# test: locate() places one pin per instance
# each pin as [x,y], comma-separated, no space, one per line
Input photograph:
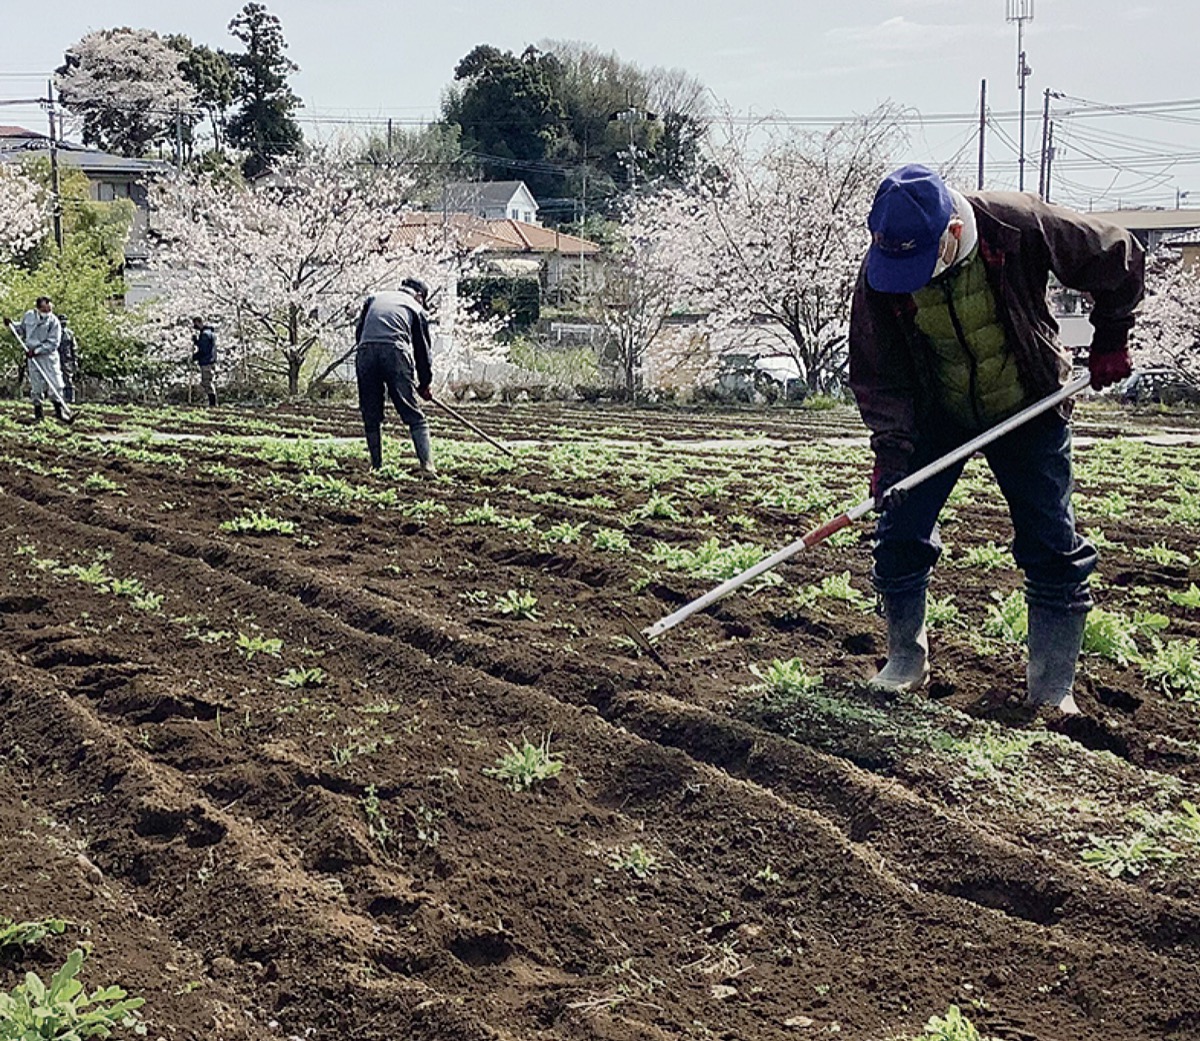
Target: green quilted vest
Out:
[974,371]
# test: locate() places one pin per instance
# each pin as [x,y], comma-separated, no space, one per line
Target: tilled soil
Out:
[338,860]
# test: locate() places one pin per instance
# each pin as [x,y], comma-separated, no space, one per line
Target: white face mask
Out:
[947,253]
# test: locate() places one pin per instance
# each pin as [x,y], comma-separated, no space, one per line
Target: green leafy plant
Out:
[564,532]
[25,934]
[941,611]
[1175,667]
[517,604]
[97,482]
[988,556]
[710,559]
[424,508]
[63,1010]
[258,522]
[637,860]
[953,1026]
[1189,599]
[1110,635]
[485,514]
[528,765]
[377,823]
[252,645]
[660,506]
[1131,857]
[304,679]
[1008,619]
[610,540]
[1161,553]
[786,679]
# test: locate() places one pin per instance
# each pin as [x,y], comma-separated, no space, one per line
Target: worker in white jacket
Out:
[41,332]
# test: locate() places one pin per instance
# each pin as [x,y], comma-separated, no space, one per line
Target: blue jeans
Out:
[1032,465]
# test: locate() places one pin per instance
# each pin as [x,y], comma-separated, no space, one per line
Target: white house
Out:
[491,200]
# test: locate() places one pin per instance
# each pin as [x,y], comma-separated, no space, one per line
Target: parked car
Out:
[1163,385]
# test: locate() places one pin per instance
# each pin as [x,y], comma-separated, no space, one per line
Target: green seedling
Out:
[517,604]
[26,934]
[953,1026]
[485,514]
[62,1010]
[303,679]
[1189,599]
[709,560]
[564,532]
[1009,619]
[637,860]
[768,876]
[742,522]
[97,482]
[610,540]
[1110,635]
[1161,553]
[941,612]
[786,679]
[377,823]
[424,509]
[252,645]
[659,506]
[524,767]
[1131,857]
[1175,667]
[988,556]
[258,522]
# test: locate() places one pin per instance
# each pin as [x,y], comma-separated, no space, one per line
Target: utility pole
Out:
[982,131]
[1021,11]
[178,138]
[1049,161]
[55,190]
[389,148]
[1044,168]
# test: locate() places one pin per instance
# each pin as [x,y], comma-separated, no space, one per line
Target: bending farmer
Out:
[392,338]
[950,333]
[40,331]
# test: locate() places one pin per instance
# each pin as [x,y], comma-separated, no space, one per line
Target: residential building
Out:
[491,200]
[561,263]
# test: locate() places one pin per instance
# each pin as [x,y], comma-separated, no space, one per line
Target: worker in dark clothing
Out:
[392,337]
[68,359]
[205,355]
[950,334]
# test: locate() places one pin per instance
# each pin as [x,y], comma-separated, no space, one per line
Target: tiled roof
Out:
[496,236]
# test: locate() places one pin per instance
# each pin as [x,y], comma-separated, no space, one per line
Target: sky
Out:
[362,60]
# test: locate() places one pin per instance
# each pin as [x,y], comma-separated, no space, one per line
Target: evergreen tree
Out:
[263,126]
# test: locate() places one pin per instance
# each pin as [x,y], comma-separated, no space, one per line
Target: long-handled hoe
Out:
[467,423]
[643,636]
[44,372]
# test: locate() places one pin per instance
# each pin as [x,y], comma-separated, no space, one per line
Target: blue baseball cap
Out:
[911,211]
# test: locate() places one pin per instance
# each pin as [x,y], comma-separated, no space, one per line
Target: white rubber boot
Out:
[1055,639]
[907,666]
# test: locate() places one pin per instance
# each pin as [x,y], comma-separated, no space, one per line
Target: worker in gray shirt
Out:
[392,354]
[40,331]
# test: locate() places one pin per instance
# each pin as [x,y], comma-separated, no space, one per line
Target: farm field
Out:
[301,752]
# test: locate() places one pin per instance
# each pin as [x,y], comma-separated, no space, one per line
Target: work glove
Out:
[425,391]
[1109,367]
[882,480]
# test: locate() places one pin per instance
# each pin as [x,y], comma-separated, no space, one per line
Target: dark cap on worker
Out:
[911,211]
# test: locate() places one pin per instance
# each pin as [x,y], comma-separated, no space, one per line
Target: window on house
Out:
[515,214]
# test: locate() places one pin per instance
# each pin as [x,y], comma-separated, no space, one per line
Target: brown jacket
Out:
[1022,240]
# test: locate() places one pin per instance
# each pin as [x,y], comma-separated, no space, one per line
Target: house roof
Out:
[495,236]
[1150,220]
[17,142]
[484,193]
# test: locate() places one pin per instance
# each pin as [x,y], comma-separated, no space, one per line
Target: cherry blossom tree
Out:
[23,213]
[1168,328]
[286,261]
[643,279]
[776,238]
[127,87]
